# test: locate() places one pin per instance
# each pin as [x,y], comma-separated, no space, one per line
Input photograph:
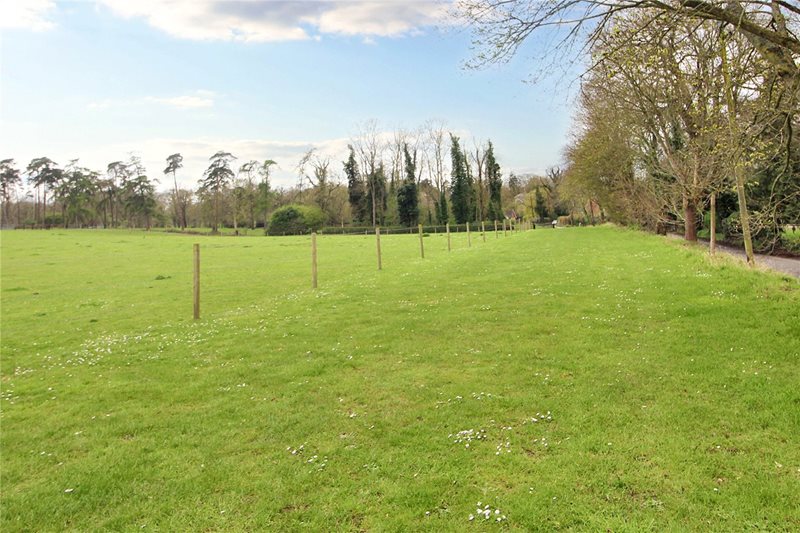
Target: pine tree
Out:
[355,189]
[461,186]
[215,179]
[407,196]
[495,184]
[442,211]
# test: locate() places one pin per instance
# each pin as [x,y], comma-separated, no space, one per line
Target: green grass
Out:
[672,382]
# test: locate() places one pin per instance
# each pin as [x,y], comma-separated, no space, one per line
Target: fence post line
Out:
[378,243]
[469,239]
[314,260]
[496,235]
[447,228]
[196,283]
[483,231]
[421,245]
[505,234]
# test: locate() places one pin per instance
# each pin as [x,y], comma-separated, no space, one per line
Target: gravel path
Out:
[786,265]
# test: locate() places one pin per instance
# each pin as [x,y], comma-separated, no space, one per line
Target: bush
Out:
[53,220]
[295,220]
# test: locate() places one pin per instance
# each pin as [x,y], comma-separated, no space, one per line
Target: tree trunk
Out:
[744,217]
[216,213]
[690,219]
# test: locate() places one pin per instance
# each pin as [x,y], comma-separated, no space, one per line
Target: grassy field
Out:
[585,379]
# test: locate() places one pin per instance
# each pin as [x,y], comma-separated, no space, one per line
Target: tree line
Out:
[401,178]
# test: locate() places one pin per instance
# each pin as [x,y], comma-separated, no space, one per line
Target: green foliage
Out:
[76,192]
[296,219]
[542,213]
[407,193]
[215,179]
[495,185]
[356,192]
[461,188]
[442,209]
[9,178]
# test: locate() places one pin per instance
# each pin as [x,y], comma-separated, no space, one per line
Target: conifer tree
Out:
[407,196]
[495,184]
[461,186]
[355,188]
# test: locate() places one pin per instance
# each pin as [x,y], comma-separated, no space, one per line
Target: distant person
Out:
[555,223]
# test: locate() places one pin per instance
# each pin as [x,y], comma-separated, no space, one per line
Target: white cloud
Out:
[272,21]
[185,101]
[200,99]
[380,19]
[26,14]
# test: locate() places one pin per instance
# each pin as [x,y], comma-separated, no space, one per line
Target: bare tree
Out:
[315,170]
[369,147]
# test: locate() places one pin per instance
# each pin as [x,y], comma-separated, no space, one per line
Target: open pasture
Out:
[586,378]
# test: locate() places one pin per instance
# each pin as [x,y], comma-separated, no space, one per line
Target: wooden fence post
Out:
[421,245]
[378,243]
[496,235]
[196,288]
[469,239]
[314,260]
[505,233]
[483,231]
[447,228]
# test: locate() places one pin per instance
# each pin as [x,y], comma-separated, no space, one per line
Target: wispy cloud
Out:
[27,14]
[200,99]
[272,21]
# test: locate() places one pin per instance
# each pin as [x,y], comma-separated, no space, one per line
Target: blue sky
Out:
[97,80]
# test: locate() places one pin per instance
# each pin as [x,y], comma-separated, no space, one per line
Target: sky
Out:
[99,80]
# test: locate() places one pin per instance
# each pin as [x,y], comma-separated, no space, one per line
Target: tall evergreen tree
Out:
[407,195]
[355,188]
[216,178]
[76,193]
[495,184]
[461,186]
[442,211]
[43,173]
[9,181]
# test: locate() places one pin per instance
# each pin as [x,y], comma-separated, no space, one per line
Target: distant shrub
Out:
[53,220]
[295,220]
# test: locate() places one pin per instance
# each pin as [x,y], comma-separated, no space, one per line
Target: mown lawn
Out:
[611,380]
